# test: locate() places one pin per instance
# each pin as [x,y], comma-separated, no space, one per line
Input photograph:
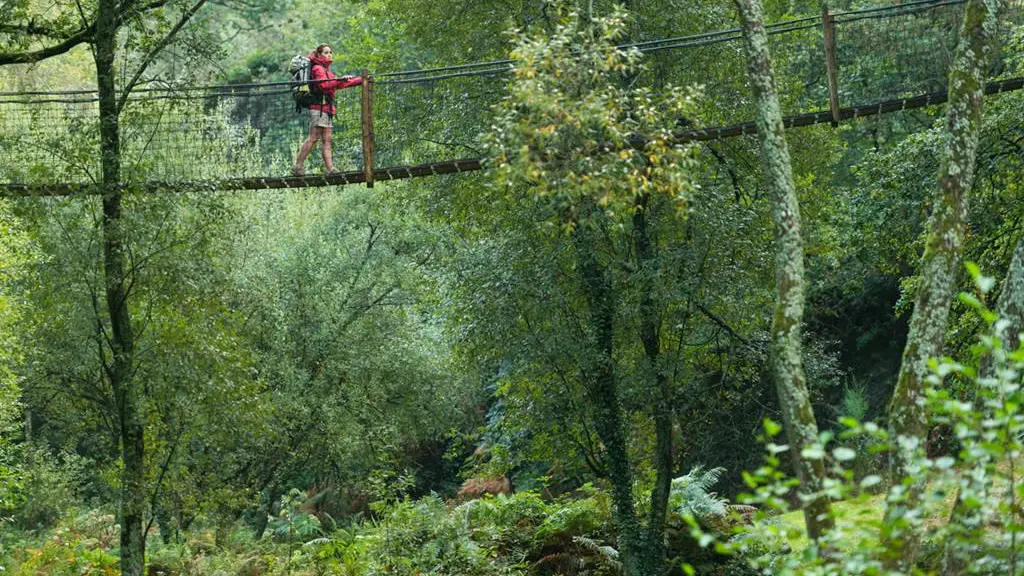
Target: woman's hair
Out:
[320,48]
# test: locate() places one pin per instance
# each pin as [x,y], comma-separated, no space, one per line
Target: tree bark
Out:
[102,33]
[1010,305]
[786,352]
[132,439]
[939,263]
[664,402]
[598,372]
[270,494]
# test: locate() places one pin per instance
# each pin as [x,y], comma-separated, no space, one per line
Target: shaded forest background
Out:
[311,364]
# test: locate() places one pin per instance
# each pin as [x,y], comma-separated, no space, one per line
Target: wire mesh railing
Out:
[242,133]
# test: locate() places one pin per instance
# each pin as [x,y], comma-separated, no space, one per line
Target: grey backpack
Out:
[301,69]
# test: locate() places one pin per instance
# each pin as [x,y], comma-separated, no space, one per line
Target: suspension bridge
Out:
[830,68]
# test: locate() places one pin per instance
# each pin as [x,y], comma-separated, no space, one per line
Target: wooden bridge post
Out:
[369,139]
[828,25]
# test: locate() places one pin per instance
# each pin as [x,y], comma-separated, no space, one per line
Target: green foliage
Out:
[968,510]
[17,253]
[494,535]
[295,521]
[691,494]
[854,403]
[419,536]
[567,127]
[299,340]
[341,315]
[62,558]
[571,518]
[50,487]
[81,544]
[505,535]
[581,149]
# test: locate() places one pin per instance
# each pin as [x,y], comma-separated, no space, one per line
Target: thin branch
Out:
[84,35]
[86,25]
[730,170]
[127,89]
[721,323]
[32,29]
[159,481]
[127,10]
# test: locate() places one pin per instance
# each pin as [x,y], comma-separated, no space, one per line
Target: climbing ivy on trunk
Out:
[591,152]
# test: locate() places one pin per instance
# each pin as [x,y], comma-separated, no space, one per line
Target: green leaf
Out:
[971,300]
[813,452]
[870,480]
[844,454]
[973,269]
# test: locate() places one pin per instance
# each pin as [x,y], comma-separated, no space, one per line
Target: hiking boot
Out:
[298,171]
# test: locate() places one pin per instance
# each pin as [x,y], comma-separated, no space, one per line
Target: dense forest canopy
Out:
[612,350]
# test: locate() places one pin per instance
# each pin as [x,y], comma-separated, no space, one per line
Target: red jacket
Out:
[327,83]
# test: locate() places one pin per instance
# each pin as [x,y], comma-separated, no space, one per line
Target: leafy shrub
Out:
[82,546]
[691,494]
[491,536]
[967,513]
[505,523]
[854,402]
[49,487]
[296,519]
[569,518]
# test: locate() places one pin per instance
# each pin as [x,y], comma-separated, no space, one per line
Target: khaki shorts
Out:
[318,119]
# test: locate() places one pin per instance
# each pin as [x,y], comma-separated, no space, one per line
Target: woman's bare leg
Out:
[315,133]
[325,147]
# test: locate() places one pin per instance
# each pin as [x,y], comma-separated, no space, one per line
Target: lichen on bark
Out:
[787,362]
[940,261]
[1010,306]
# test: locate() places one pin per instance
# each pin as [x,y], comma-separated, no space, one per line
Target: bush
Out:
[49,489]
[84,546]
[967,515]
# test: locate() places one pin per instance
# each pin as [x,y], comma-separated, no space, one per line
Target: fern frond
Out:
[562,563]
[710,478]
[690,494]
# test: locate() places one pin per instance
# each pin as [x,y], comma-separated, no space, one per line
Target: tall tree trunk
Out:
[133,497]
[265,509]
[598,371]
[1010,307]
[664,401]
[940,262]
[786,353]
[1011,300]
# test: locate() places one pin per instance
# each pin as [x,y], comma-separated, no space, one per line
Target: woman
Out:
[323,83]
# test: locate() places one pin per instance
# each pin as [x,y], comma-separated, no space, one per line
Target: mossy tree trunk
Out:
[598,374]
[663,397]
[101,33]
[786,352]
[1010,305]
[122,342]
[939,266]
